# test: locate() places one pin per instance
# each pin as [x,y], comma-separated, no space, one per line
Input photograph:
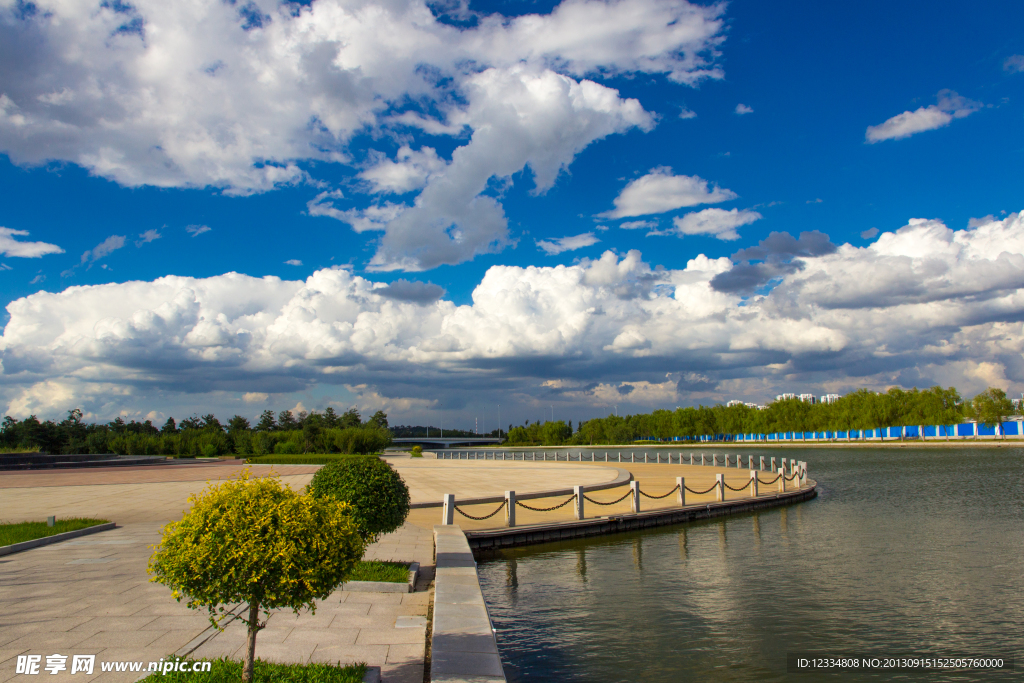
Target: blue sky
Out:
[792,111]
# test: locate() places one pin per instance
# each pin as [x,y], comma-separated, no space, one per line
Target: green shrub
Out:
[360,440]
[417,452]
[377,494]
[288,448]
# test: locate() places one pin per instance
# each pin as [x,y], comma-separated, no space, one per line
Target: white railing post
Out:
[762,464]
[782,480]
[792,466]
[634,488]
[578,490]
[753,483]
[720,487]
[681,496]
[510,508]
[773,464]
[448,516]
[803,474]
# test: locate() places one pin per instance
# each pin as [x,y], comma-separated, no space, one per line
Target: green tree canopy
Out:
[255,541]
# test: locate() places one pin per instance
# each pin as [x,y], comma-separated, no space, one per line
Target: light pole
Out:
[552,413]
[499,423]
[441,403]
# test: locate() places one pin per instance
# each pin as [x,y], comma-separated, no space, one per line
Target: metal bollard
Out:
[578,490]
[448,515]
[634,487]
[720,484]
[510,508]
[681,496]
[753,483]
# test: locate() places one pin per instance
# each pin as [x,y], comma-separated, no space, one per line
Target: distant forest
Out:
[329,432]
[861,409]
[314,432]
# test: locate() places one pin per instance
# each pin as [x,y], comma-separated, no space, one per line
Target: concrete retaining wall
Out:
[462,646]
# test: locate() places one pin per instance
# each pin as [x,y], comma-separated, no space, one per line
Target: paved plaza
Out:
[92,595]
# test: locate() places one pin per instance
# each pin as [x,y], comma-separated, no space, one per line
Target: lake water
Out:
[903,551]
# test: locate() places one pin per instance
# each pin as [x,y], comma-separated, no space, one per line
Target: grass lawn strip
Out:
[309,459]
[392,572]
[20,532]
[225,670]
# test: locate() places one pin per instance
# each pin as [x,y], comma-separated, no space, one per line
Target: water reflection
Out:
[863,568]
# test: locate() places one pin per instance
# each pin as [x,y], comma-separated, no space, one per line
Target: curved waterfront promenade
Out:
[91,595]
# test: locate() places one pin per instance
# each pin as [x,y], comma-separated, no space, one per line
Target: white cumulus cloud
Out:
[590,328]
[211,94]
[9,246]
[950,106]
[659,191]
[557,246]
[715,222]
[742,109]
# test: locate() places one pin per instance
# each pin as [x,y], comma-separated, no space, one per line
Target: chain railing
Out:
[798,473]
[613,502]
[480,519]
[647,495]
[555,507]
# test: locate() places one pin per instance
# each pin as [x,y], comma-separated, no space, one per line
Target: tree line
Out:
[861,409]
[283,432]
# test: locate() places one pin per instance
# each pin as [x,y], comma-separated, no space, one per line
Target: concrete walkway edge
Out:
[56,538]
[462,646]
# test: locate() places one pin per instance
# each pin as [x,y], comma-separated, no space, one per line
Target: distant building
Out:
[755,406]
[829,398]
[808,398]
[785,397]
[732,403]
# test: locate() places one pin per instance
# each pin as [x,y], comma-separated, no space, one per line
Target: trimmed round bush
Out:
[417,451]
[377,494]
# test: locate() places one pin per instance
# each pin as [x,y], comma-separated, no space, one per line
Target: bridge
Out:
[446,442]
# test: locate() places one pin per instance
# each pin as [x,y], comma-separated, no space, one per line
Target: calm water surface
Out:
[904,551]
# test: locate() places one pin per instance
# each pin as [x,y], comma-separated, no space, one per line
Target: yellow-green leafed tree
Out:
[254,541]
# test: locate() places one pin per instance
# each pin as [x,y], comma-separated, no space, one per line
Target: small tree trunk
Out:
[250,645]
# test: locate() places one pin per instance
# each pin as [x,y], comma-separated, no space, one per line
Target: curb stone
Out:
[56,538]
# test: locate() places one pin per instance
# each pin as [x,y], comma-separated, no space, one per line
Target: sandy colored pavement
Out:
[430,479]
[654,479]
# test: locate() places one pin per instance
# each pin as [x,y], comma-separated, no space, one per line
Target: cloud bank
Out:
[919,305]
[245,98]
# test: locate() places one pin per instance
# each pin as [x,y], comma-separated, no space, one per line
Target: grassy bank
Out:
[20,532]
[227,671]
[392,572]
